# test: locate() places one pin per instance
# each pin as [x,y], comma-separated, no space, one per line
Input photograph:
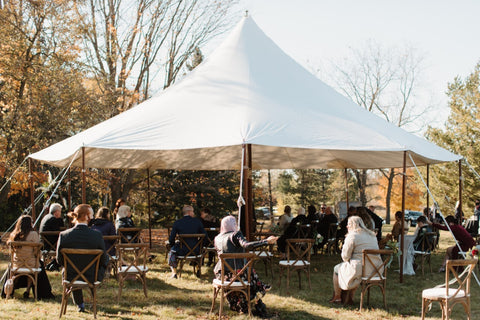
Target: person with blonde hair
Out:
[347,275]
[292,229]
[231,240]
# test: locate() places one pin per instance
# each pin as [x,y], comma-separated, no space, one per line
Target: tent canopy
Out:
[247,92]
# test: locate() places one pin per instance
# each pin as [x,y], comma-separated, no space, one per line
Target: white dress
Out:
[350,271]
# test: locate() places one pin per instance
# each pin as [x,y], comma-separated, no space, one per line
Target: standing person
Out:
[52,222]
[464,239]
[186,225]
[285,219]
[24,232]
[347,275]
[82,237]
[232,241]
[209,221]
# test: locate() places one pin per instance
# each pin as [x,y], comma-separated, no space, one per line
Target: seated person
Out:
[324,224]
[24,232]
[124,220]
[397,226]
[285,219]
[312,216]
[347,275]
[422,229]
[292,229]
[82,237]
[377,223]
[232,241]
[102,224]
[209,221]
[52,222]
[464,239]
[186,225]
[342,226]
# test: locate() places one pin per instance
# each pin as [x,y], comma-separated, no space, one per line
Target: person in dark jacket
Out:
[230,240]
[292,229]
[102,224]
[124,220]
[52,222]
[324,225]
[209,222]
[186,225]
[82,237]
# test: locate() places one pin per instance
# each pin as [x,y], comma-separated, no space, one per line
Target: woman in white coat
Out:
[347,275]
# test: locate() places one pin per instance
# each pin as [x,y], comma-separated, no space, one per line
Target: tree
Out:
[460,135]
[384,83]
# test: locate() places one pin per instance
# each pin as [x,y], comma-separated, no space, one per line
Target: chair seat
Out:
[235,284]
[294,263]
[421,252]
[132,269]
[80,283]
[263,254]
[373,278]
[199,256]
[441,293]
[26,270]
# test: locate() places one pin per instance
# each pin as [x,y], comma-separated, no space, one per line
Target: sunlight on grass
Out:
[190,297]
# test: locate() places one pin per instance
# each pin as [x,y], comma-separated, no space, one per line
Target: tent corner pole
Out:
[402,234]
[428,186]
[346,189]
[149,209]
[84,179]
[460,178]
[249,193]
[32,190]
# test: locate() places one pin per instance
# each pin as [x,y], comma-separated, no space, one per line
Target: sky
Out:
[317,32]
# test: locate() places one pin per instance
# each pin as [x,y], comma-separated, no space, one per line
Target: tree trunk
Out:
[388,196]
[361,176]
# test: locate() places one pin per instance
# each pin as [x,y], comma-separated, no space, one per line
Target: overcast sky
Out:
[317,32]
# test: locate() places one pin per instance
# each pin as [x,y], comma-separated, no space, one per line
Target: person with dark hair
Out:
[324,225]
[377,222]
[312,214]
[397,226]
[464,239]
[24,232]
[292,229]
[342,227]
[82,237]
[102,224]
[209,222]
[230,240]
[420,231]
[120,202]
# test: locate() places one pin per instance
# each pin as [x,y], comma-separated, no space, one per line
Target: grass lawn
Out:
[190,298]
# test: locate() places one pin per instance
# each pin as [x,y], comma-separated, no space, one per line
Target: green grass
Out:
[190,298]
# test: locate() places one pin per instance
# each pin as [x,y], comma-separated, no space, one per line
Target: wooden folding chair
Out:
[298,259]
[110,248]
[265,253]
[130,235]
[424,252]
[19,262]
[209,246]
[49,251]
[233,279]
[77,273]
[449,295]
[304,231]
[331,243]
[194,252]
[374,273]
[134,258]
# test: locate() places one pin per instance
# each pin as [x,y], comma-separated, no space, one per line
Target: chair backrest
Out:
[262,236]
[462,280]
[110,244]
[81,264]
[212,232]
[192,242]
[427,243]
[299,250]
[332,231]
[133,256]
[304,231]
[49,239]
[130,235]
[30,253]
[237,275]
[374,264]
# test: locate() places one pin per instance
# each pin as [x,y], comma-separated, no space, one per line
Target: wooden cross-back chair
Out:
[134,259]
[455,290]
[298,259]
[130,235]
[77,273]
[233,279]
[424,252]
[331,241]
[110,248]
[304,231]
[374,274]
[19,263]
[194,252]
[265,253]
[209,244]
[49,240]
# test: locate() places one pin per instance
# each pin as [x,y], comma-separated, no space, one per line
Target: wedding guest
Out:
[285,219]
[232,241]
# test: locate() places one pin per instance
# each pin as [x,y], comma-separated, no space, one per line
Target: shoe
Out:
[26,294]
[81,308]
[174,276]
[268,287]
[198,273]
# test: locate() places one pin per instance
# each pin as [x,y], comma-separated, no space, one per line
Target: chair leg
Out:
[215,292]
[288,278]
[94,294]
[35,291]
[299,279]
[222,297]
[384,296]
[144,283]
[361,297]
[423,308]
[120,285]
[309,281]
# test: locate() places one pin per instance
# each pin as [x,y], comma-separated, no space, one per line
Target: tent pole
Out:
[32,195]
[460,178]
[69,197]
[84,179]
[402,234]
[149,209]
[346,188]
[428,187]
[249,190]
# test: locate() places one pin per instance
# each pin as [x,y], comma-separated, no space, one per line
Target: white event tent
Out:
[248,92]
